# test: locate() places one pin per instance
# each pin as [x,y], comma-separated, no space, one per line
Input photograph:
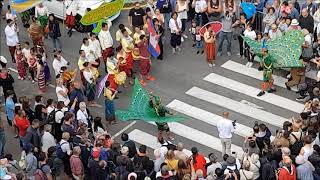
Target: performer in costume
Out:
[109,94]
[266,65]
[161,111]
[71,11]
[112,67]
[41,13]
[128,46]
[145,62]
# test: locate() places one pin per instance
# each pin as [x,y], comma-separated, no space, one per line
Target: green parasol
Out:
[140,108]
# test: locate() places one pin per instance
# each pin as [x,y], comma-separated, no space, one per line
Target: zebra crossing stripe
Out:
[207,117]
[200,137]
[254,73]
[236,106]
[252,92]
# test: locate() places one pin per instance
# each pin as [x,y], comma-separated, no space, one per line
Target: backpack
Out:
[22,162]
[121,173]
[51,119]
[272,171]
[39,175]
[60,154]
[296,147]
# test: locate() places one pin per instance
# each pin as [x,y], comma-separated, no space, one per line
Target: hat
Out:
[132,174]
[300,159]
[231,161]
[194,150]
[95,153]
[305,32]
[3,60]
[294,22]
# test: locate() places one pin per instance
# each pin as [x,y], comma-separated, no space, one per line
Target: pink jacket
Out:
[76,165]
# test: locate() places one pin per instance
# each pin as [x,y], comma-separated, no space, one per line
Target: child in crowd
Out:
[199,41]
[193,32]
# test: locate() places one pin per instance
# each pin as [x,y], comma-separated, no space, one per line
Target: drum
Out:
[136,54]
[120,78]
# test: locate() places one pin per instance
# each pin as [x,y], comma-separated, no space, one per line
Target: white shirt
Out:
[82,116]
[200,6]
[58,116]
[96,46]
[172,25]
[250,34]
[26,53]
[41,11]
[88,76]
[58,64]
[225,128]
[274,35]
[47,141]
[60,97]
[105,39]
[182,8]
[89,52]
[308,39]
[71,7]
[65,146]
[50,109]
[211,169]
[11,36]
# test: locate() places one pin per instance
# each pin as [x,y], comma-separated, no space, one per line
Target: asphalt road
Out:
[174,76]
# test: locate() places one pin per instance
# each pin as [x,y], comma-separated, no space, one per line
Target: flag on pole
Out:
[153,47]
[101,84]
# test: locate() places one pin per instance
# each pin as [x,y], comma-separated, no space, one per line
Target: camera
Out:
[234,123]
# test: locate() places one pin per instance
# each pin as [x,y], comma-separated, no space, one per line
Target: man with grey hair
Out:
[47,138]
[179,154]
[158,160]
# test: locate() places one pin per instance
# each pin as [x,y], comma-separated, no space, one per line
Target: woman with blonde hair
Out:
[245,173]
[171,161]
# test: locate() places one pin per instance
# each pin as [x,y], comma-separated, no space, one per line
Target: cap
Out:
[3,60]
[95,153]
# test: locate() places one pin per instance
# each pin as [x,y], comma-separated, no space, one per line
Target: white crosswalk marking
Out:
[200,137]
[252,92]
[195,136]
[237,106]
[207,117]
[254,73]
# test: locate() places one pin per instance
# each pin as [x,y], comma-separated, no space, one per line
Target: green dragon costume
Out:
[283,52]
[146,108]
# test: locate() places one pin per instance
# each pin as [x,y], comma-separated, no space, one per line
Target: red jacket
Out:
[284,174]
[22,124]
[200,164]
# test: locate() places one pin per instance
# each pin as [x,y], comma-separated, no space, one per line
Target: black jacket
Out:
[33,137]
[54,29]
[7,84]
[132,148]
[306,23]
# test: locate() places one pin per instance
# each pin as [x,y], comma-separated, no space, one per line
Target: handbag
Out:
[46,29]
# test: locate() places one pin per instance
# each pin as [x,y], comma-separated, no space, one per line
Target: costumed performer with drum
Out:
[128,47]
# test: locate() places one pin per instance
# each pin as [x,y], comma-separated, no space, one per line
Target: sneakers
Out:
[250,64]
[300,99]
[247,64]
[219,54]
[185,36]
[182,39]
[178,48]
[271,90]
[261,93]
[202,51]
[210,65]
[229,54]
[173,50]
[198,52]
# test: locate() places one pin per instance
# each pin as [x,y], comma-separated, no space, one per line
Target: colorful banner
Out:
[106,10]
[22,5]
